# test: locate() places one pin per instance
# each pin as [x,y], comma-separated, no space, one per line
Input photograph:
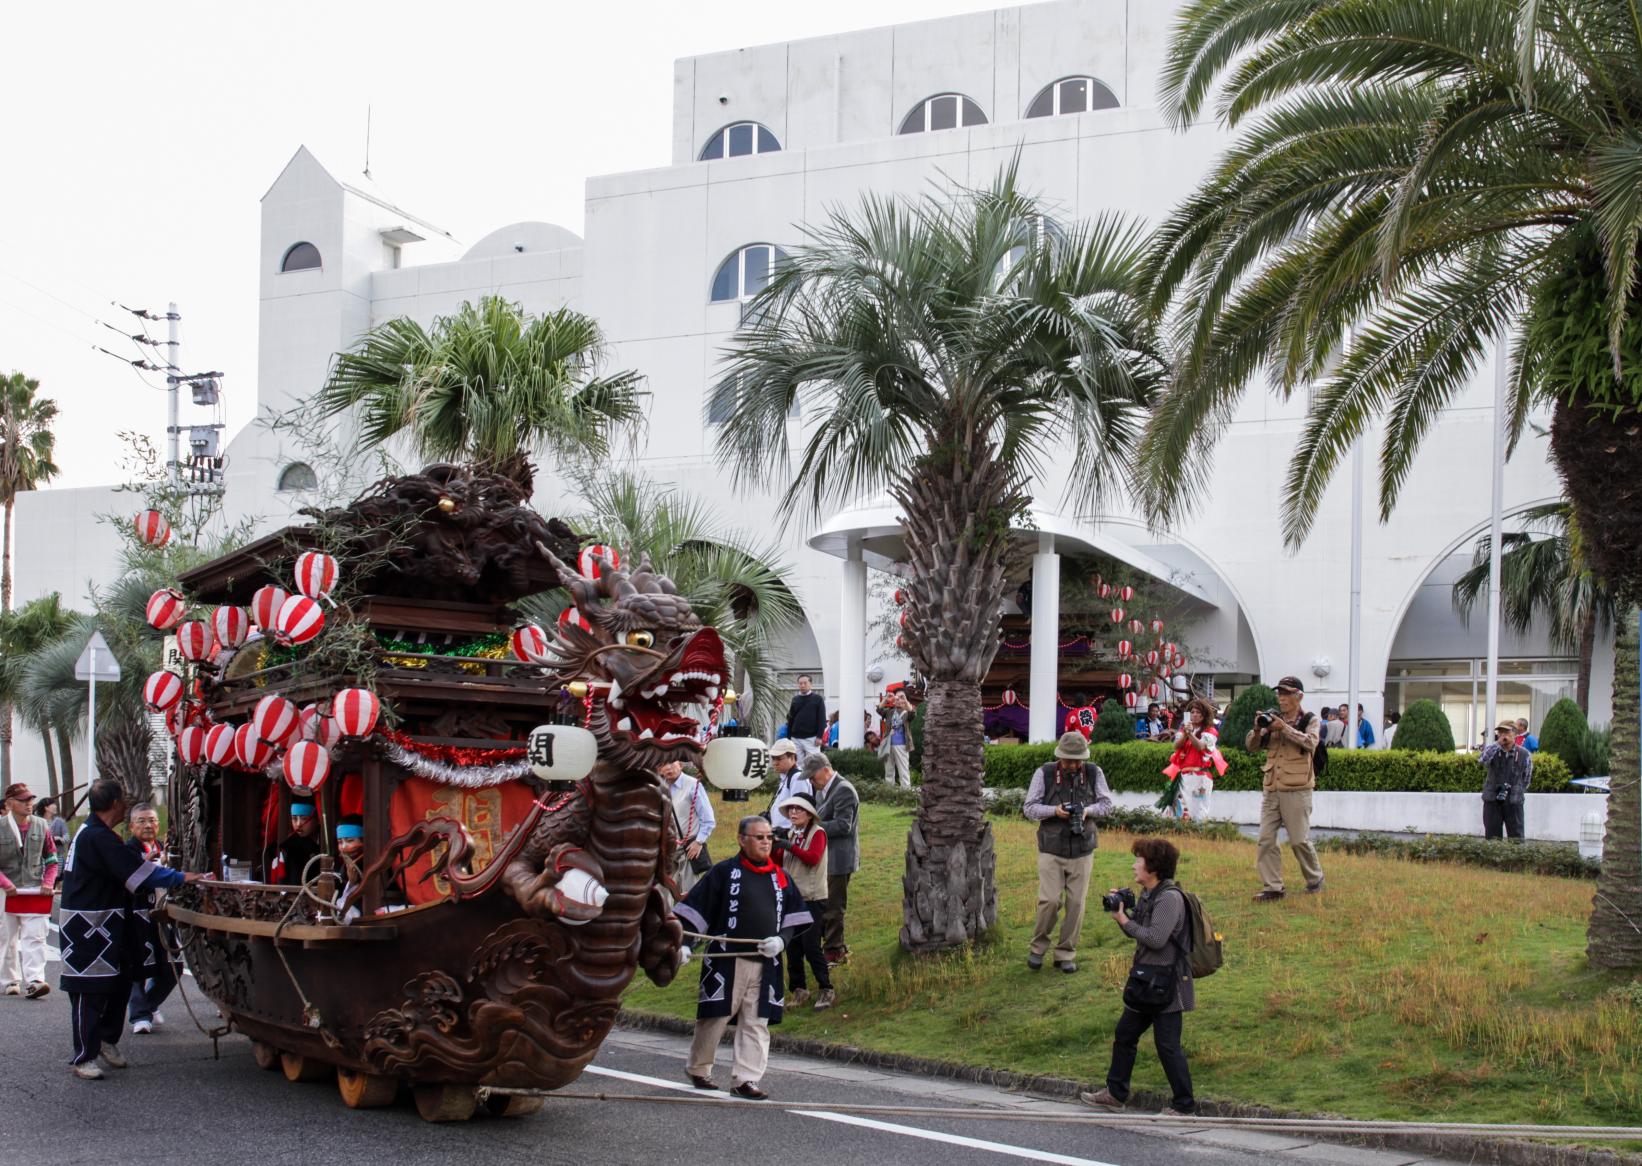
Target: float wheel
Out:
[265,1055]
[300,1068]
[366,1090]
[445,1102]
[512,1105]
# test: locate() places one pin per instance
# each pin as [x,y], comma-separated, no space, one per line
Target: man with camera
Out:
[1160,991]
[1288,735]
[1063,796]
[1510,771]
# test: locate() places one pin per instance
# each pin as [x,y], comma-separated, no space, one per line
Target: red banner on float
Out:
[488,814]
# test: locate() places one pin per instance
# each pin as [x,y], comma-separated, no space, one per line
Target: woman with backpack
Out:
[1160,991]
[804,859]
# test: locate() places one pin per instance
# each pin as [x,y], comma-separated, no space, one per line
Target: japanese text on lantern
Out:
[541,749]
[756,763]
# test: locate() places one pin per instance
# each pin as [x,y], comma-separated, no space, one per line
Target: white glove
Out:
[684,954]
[772,947]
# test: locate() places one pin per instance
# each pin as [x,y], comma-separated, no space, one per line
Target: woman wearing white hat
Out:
[804,860]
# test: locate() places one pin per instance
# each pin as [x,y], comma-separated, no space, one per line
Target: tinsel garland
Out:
[452,764]
[492,646]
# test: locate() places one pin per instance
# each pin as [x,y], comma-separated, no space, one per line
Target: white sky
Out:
[138,139]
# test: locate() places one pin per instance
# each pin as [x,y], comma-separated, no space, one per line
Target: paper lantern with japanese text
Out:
[562,752]
[736,764]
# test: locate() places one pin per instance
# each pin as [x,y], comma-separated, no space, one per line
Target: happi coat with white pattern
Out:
[104,946]
[737,899]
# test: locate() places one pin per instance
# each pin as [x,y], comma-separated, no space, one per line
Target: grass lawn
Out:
[1404,991]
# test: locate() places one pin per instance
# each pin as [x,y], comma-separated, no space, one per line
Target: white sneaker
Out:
[14,989]
[112,1058]
[88,1071]
[142,1027]
[159,1019]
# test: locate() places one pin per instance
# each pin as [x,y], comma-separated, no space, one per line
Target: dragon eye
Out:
[641,639]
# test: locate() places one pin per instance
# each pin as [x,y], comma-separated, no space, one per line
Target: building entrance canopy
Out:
[871,535]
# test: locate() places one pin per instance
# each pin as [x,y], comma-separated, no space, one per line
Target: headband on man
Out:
[302,809]
[349,830]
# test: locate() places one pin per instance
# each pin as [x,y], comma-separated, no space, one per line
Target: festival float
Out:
[516,839]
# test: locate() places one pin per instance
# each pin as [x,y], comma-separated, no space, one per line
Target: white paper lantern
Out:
[736,764]
[577,887]
[562,752]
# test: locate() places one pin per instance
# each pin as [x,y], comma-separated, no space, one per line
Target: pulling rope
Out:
[721,938]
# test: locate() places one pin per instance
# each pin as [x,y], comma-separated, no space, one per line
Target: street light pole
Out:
[1502,371]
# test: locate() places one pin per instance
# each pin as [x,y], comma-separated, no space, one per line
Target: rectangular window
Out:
[741,140]
[757,270]
[715,148]
[1074,96]
[943,113]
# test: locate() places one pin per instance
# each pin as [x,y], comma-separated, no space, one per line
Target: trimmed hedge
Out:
[1239,719]
[1562,733]
[1137,767]
[1424,728]
[1542,858]
[1116,724]
[857,764]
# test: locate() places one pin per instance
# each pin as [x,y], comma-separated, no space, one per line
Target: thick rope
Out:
[721,938]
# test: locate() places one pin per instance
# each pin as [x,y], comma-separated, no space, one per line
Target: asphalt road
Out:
[179,1106]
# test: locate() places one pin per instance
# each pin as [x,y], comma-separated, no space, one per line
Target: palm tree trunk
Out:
[5,563]
[5,605]
[122,753]
[51,765]
[1587,652]
[1597,455]
[65,752]
[1613,938]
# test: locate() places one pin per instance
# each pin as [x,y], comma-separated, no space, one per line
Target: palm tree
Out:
[489,384]
[946,350]
[23,633]
[1411,182]
[1543,583]
[733,582]
[25,464]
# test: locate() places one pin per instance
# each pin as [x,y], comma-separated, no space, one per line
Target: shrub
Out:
[1240,715]
[1563,733]
[857,764]
[1543,858]
[1424,728]
[881,793]
[1116,724]
[1594,752]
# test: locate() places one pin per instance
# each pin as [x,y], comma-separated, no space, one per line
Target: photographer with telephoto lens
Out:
[1510,771]
[1159,991]
[1061,799]
[1288,737]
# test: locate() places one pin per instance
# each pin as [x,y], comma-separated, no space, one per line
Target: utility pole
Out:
[1502,375]
[172,378]
[1353,656]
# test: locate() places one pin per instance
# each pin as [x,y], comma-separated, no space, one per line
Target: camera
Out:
[1502,794]
[1122,897]
[1264,718]
[1074,812]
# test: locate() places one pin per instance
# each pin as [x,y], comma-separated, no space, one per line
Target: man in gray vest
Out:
[28,870]
[1063,798]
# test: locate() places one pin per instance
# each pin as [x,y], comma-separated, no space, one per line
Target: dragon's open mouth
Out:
[657,708]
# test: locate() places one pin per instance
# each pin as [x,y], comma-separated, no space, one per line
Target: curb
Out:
[1477,1149]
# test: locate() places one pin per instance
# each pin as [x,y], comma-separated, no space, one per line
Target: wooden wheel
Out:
[300,1068]
[265,1055]
[512,1105]
[366,1090]
[445,1102]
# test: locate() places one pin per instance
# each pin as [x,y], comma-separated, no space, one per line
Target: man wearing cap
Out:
[789,780]
[1062,799]
[28,871]
[1510,772]
[1290,743]
[299,846]
[839,807]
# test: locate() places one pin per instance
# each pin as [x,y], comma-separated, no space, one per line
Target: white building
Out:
[768,138]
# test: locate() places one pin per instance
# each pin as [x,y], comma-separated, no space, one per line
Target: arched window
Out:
[744,274]
[1072,95]
[944,111]
[297,476]
[300,257]
[743,137]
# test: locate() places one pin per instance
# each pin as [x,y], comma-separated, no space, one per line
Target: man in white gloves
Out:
[750,902]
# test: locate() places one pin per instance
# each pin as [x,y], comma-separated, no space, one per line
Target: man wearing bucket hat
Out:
[28,871]
[1510,773]
[1064,795]
[1288,737]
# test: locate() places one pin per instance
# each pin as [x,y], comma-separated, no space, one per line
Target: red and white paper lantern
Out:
[355,711]
[250,750]
[1117,614]
[1130,699]
[1125,649]
[265,605]
[571,617]
[1154,690]
[1124,680]
[591,562]
[194,640]
[1151,658]
[900,596]
[219,744]
[1136,626]
[316,574]
[1105,591]
[1128,593]
[319,726]
[162,690]
[191,745]
[152,528]
[1178,659]
[231,625]
[306,766]
[530,644]
[166,607]
[275,720]
[184,713]
[300,619]
[1157,625]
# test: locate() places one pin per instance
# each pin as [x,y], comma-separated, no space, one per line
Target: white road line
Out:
[886,1127]
[950,1139]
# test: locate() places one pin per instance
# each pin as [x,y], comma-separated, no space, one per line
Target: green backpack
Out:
[1205,951]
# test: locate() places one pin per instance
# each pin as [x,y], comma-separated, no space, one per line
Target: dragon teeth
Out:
[646,735]
[615,692]
[625,724]
[712,692]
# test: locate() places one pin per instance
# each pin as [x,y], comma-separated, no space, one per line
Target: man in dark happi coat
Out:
[749,900]
[103,947]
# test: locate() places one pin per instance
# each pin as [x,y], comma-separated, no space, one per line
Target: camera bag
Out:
[1150,987]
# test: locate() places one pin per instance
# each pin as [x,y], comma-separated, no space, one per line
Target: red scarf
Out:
[768,868]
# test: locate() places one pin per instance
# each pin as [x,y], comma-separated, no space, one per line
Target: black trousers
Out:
[838,901]
[1501,818]
[97,1020]
[1166,1027]
[806,945]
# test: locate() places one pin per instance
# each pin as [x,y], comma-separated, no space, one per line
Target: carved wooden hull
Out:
[470,993]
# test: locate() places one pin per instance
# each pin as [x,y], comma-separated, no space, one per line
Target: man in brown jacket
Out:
[1290,741]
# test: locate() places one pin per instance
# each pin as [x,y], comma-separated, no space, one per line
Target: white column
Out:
[852,651]
[1502,376]
[1354,655]
[1045,673]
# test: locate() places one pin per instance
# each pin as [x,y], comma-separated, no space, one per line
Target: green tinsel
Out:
[474,647]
